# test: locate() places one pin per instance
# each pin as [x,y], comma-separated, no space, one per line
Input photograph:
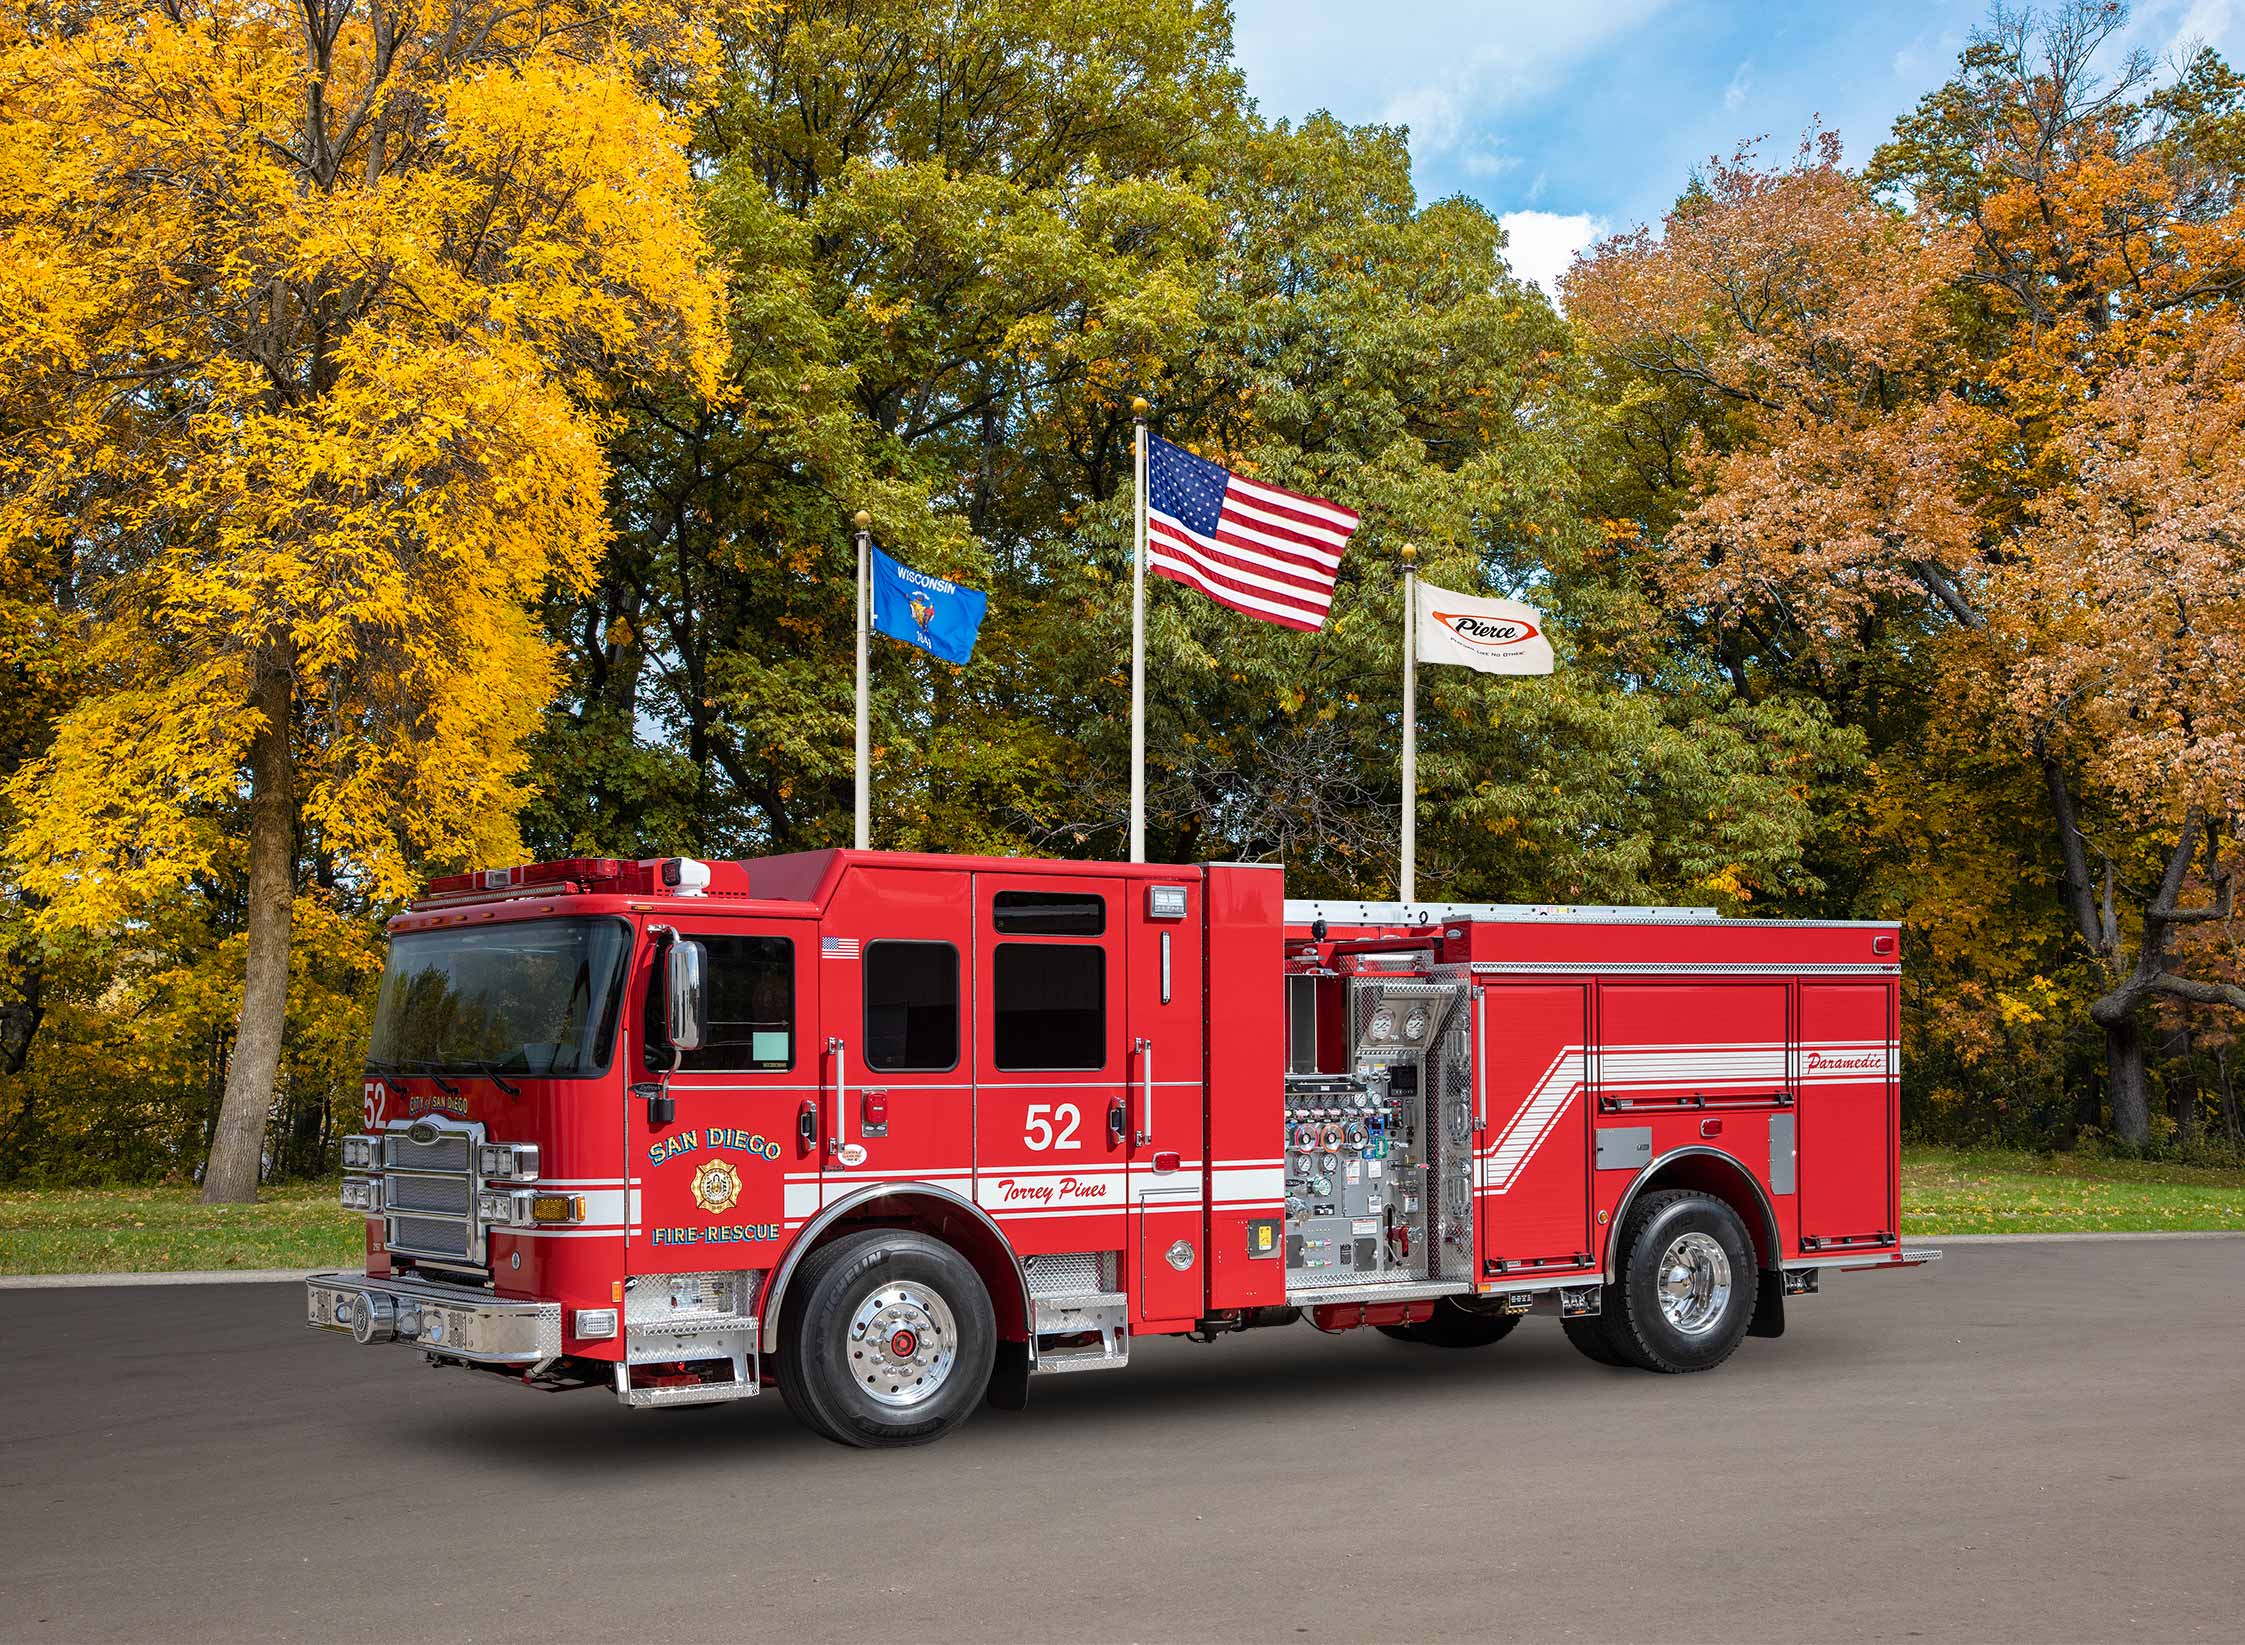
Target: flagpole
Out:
[864,738]
[1138,410]
[1410,875]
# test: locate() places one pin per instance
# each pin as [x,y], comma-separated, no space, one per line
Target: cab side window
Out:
[1049,1006]
[911,1007]
[751,1008]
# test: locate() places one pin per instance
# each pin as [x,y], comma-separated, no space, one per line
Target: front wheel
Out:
[1687,1285]
[892,1341]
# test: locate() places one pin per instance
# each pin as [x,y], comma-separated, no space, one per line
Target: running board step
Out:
[728,1340]
[1064,1323]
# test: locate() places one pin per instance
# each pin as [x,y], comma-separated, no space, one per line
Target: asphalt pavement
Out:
[2023,1442]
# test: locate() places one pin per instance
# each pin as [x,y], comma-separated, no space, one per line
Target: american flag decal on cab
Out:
[838,948]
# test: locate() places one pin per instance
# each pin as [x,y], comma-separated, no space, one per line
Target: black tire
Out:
[1637,1328]
[1591,1340]
[1456,1324]
[851,1387]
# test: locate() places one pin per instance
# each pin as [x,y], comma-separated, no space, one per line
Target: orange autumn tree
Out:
[1923,439]
[310,315]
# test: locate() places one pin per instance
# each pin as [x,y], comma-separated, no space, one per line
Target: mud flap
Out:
[1769,1305]
[1009,1377]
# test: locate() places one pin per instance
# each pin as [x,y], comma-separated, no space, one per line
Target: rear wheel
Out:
[1457,1324]
[1591,1340]
[891,1341]
[1687,1285]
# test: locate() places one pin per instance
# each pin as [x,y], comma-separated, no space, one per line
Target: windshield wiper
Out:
[428,1071]
[490,1071]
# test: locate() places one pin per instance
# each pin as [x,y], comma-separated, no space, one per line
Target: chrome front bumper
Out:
[455,1321]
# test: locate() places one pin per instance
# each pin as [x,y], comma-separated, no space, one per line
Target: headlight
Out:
[503,1207]
[362,1153]
[508,1161]
[361,1194]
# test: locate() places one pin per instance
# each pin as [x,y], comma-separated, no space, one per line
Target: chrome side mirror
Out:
[686,995]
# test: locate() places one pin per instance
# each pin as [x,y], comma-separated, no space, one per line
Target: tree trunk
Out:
[238,1143]
[2230,1117]
[2124,1080]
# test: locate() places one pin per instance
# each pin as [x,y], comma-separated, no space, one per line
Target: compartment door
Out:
[1845,1075]
[1169,1187]
[1533,1202]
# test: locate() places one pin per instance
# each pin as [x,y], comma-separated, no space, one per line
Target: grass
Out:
[120,1230]
[1944,1191]
[1991,1191]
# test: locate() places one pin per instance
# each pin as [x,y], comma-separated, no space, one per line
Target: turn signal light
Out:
[557,1208]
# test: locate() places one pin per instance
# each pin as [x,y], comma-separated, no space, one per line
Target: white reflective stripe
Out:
[1520,1139]
[1257,1182]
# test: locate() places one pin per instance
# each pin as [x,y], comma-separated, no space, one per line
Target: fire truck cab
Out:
[896,1134]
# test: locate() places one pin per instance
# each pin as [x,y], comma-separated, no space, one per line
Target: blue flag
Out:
[938,616]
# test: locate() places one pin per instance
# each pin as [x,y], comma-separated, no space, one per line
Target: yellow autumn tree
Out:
[308,313]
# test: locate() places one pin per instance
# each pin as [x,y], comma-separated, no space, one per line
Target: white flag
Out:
[1494,636]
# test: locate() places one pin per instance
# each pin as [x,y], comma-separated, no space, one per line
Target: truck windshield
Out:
[536,997]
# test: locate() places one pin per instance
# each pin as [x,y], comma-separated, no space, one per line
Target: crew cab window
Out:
[1049,1005]
[1048,914]
[751,1008]
[911,1007]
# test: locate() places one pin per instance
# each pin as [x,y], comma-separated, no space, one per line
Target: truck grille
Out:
[453,1196]
[432,1237]
[449,1152]
[429,1191]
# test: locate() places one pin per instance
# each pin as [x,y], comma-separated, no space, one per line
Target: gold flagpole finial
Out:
[1410,552]
[1139,407]
[864,521]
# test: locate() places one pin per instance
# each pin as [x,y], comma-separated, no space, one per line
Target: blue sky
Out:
[1574,118]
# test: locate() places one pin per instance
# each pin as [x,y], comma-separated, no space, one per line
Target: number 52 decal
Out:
[1052,1126]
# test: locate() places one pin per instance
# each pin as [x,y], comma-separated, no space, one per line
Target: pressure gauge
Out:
[1321,1185]
[1329,1138]
[1382,1025]
[1329,1163]
[1356,1133]
[1415,1026]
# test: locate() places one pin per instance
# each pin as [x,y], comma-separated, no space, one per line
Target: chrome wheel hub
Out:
[1695,1283]
[903,1344]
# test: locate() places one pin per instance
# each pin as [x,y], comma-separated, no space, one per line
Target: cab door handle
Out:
[806,1124]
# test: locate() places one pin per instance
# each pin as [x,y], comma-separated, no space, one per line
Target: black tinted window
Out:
[1048,914]
[751,1007]
[1049,1005]
[911,1006]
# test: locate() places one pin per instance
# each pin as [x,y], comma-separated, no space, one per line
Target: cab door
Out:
[1052,1060]
[709,1186]
[896,986]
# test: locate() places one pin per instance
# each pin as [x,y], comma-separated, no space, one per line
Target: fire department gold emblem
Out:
[717,1186]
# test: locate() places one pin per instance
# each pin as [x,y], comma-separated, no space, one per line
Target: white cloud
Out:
[1734,94]
[1540,244]
[1445,68]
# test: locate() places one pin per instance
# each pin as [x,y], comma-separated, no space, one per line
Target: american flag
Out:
[838,948]
[1270,553]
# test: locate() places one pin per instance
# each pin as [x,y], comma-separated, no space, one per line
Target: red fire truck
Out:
[898,1133]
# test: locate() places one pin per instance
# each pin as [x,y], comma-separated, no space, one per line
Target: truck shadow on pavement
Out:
[1168,1381]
